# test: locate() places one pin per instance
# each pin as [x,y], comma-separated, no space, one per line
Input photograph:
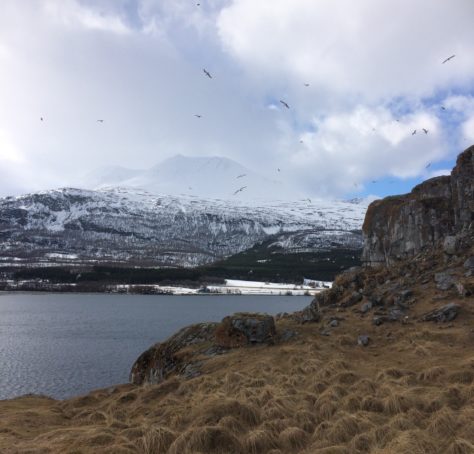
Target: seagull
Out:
[413,133]
[428,165]
[100,121]
[240,190]
[374,181]
[443,108]
[306,85]
[41,118]
[425,130]
[285,104]
[207,73]
[278,170]
[197,116]
[242,175]
[301,141]
[449,58]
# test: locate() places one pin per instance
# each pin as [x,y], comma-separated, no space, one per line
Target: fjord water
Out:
[64,345]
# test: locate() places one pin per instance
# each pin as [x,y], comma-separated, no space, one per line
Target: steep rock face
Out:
[401,226]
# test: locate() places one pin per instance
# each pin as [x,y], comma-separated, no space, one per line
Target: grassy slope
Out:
[410,391]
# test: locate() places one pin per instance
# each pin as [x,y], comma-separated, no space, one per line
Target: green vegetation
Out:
[258,263]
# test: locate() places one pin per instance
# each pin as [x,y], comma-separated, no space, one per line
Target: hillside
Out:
[380,363]
[132,227]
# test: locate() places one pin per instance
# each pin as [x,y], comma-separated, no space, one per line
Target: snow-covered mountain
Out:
[209,177]
[124,225]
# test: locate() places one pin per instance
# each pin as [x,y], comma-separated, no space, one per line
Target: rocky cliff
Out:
[439,210]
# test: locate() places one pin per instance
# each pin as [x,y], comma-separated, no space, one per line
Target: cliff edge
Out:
[439,211]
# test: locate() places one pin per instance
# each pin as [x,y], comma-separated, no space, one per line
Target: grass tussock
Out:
[207,439]
[156,439]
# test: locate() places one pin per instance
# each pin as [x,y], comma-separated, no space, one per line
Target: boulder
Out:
[469,263]
[363,340]
[450,245]
[163,359]
[442,314]
[444,281]
[241,329]
[351,300]
[311,313]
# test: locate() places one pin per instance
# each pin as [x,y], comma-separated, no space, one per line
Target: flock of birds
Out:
[287,106]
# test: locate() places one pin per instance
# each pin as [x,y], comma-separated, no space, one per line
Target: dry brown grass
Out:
[410,391]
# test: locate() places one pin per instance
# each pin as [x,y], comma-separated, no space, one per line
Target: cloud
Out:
[361,48]
[468,129]
[347,149]
[138,64]
[71,13]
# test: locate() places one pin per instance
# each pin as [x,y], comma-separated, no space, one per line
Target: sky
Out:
[358,76]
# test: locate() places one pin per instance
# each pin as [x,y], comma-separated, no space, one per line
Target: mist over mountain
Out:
[211,177]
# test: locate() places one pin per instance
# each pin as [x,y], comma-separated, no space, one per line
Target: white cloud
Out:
[366,48]
[138,65]
[72,14]
[8,152]
[468,129]
[350,148]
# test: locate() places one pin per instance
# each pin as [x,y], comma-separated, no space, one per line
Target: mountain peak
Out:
[214,177]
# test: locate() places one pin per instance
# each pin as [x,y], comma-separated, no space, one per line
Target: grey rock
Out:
[242,329]
[311,313]
[363,340]
[442,314]
[366,307]
[334,324]
[444,281]
[162,359]
[405,295]
[287,335]
[399,227]
[353,299]
[450,244]
[469,263]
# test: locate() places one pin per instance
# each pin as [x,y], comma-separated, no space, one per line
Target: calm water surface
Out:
[63,345]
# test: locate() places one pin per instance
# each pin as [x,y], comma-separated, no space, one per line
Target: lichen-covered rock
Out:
[444,280]
[162,359]
[442,314]
[400,227]
[242,329]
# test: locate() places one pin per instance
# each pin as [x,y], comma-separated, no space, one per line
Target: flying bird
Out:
[41,118]
[413,133]
[285,104]
[197,116]
[443,108]
[278,170]
[425,130]
[240,190]
[301,141]
[449,58]
[374,181]
[428,165]
[100,121]
[242,175]
[207,73]
[306,85]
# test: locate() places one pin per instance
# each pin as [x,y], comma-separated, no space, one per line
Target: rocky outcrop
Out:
[185,352]
[439,210]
